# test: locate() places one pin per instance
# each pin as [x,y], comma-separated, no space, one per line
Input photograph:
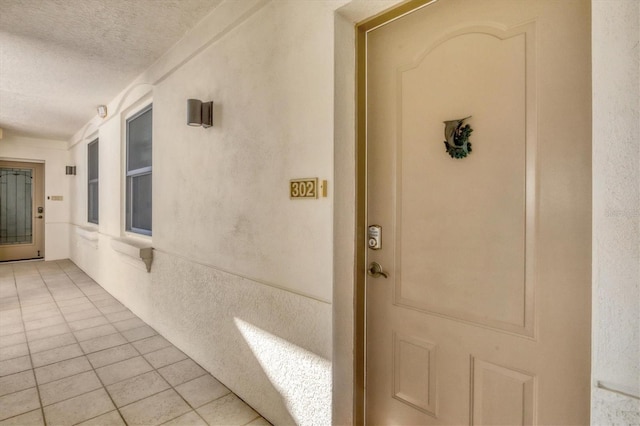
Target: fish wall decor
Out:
[457,138]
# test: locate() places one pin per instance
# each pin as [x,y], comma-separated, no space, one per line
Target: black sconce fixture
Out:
[70,170]
[199,113]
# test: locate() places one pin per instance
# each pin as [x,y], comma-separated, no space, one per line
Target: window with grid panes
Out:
[138,172]
[93,186]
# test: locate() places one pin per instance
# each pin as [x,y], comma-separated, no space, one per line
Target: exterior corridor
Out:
[70,353]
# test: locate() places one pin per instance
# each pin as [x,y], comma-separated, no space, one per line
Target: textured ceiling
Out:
[59,59]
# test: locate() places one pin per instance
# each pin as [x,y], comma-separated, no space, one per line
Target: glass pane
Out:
[139,213]
[139,141]
[93,160]
[93,202]
[93,174]
[15,206]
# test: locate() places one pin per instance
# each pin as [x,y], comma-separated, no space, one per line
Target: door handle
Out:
[39,217]
[375,270]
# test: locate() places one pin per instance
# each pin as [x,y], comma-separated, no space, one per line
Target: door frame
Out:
[359,349]
[42,165]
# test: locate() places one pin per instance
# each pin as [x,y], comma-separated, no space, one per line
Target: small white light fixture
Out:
[199,113]
[102,111]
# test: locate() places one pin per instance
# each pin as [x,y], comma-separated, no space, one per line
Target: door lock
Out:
[375,270]
[375,237]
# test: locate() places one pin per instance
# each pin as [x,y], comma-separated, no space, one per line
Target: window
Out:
[92,173]
[138,203]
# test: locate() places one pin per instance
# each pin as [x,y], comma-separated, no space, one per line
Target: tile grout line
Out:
[112,363]
[153,369]
[180,395]
[139,354]
[42,317]
[101,350]
[171,387]
[156,371]
[11,346]
[94,369]
[85,354]
[45,365]
[194,409]
[33,370]
[94,352]
[74,337]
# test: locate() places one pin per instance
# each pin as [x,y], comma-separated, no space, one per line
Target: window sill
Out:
[88,233]
[135,249]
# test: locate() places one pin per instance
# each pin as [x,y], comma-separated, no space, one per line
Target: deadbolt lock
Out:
[375,237]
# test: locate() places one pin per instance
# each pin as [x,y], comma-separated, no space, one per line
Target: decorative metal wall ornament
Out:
[457,138]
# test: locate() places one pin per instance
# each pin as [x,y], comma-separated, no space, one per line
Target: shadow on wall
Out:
[302,378]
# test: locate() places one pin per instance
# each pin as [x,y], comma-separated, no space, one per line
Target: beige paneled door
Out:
[484,316]
[21,210]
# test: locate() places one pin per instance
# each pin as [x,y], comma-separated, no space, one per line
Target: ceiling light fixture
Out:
[199,113]
[102,111]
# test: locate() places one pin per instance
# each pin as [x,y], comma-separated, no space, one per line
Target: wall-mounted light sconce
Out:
[102,111]
[70,170]
[199,113]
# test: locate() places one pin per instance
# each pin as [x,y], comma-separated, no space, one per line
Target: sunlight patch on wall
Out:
[302,378]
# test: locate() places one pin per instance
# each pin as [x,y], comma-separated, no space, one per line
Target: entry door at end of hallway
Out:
[21,210]
[478,174]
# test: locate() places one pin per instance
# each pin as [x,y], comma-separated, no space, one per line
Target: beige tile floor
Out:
[70,353]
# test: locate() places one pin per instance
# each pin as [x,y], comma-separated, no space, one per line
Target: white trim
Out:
[134,249]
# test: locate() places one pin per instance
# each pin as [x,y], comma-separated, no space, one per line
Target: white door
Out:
[485,315]
[21,210]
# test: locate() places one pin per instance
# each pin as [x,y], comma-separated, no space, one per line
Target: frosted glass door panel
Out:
[16,223]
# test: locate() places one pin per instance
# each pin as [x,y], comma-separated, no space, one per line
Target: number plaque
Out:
[303,188]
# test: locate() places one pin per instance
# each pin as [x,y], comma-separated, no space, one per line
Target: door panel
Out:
[501,396]
[415,386]
[482,319]
[21,210]
[472,237]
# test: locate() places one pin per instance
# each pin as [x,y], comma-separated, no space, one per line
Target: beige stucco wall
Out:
[250,283]
[221,194]
[243,278]
[616,212]
[55,157]
[242,275]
